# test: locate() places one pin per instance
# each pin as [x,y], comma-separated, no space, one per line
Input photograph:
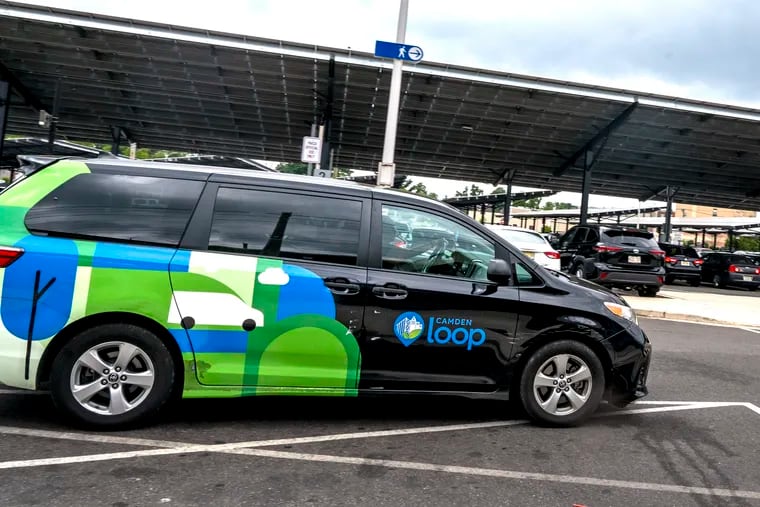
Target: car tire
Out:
[112,376]
[648,292]
[579,271]
[538,393]
[717,282]
[695,282]
[669,280]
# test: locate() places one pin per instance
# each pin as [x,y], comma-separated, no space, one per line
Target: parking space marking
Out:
[755,330]
[88,437]
[171,448]
[20,391]
[503,474]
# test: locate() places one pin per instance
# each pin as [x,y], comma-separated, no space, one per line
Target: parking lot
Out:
[693,441]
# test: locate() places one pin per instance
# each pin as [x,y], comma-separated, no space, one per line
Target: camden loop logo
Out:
[408,327]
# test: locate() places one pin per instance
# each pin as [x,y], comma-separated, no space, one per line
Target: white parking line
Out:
[504,474]
[20,391]
[100,438]
[185,448]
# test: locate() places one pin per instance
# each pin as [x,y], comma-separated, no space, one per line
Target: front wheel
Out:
[562,383]
[112,376]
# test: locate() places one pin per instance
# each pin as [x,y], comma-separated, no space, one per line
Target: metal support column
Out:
[483,213]
[668,212]
[508,202]
[493,213]
[543,223]
[386,170]
[327,114]
[588,162]
[54,119]
[703,237]
[115,140]
[554,225]
[5,105]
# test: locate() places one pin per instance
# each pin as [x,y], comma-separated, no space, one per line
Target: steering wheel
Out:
[436,254]
[475,265]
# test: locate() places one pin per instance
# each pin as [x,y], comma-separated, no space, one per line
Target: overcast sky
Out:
[699,49]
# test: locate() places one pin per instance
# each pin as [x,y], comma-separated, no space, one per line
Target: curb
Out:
[656,314]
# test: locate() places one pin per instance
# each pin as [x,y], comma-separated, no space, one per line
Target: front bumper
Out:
[627,381]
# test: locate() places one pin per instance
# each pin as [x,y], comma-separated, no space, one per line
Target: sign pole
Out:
[310,165]
[387,169]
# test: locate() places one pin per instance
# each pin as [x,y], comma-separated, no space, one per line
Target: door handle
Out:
[342,287]
[389,292]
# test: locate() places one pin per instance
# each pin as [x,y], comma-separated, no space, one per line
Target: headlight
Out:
[621,311]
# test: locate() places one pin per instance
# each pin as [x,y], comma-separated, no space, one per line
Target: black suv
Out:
[614,257]
[682,263]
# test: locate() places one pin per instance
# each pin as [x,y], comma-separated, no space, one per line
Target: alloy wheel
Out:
[562,385]
[112,378]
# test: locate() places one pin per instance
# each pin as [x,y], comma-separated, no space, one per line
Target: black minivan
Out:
[124,283]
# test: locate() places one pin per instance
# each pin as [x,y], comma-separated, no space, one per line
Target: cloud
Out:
[274,276]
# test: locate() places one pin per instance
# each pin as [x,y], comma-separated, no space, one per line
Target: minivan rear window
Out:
[136,209]
[629,238]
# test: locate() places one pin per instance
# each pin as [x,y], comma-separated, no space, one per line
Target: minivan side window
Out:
[280,224]
[98,206]
[421,242]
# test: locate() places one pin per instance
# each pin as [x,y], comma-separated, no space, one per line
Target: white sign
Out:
[322,173]
[311,150]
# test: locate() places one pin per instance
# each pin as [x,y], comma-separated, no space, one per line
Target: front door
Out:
[433,320]
[276,300]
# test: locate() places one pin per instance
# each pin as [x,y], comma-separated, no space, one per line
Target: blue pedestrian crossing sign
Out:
[398,51]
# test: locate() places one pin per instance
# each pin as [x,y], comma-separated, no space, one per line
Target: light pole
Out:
[386,170]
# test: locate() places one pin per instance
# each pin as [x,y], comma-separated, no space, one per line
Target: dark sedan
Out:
[727,269]
[682,263]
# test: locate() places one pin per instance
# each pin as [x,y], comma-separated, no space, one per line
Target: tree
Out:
[417,188]
[533,203]
[473,191]
[748,243]
[498,190]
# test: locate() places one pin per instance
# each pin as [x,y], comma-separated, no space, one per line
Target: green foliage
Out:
[293,168]
[499,190]
[534,203]
[546,228]
[558,205]
[747,243]
[473,191]
[417,188]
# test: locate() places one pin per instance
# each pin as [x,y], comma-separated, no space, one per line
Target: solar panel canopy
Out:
[216,93]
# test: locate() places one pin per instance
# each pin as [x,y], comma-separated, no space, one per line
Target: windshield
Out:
[629,238]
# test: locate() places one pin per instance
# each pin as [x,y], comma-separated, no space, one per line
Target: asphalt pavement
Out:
[693,441]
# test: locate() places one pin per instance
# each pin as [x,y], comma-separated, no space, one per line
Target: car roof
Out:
[248,175]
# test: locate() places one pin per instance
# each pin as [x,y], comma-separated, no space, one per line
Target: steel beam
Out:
[600,136]
[24,92]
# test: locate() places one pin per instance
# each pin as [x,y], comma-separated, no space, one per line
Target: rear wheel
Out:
[648,292]
[562,383]
[717,282]
[112,376]
[579,271]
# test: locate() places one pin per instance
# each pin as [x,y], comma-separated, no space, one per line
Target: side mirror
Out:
[499,272]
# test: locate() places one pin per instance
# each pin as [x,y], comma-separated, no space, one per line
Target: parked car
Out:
[124,282]
[703,252]
[724,269]
[614,256]
[682,263]
[530,243]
